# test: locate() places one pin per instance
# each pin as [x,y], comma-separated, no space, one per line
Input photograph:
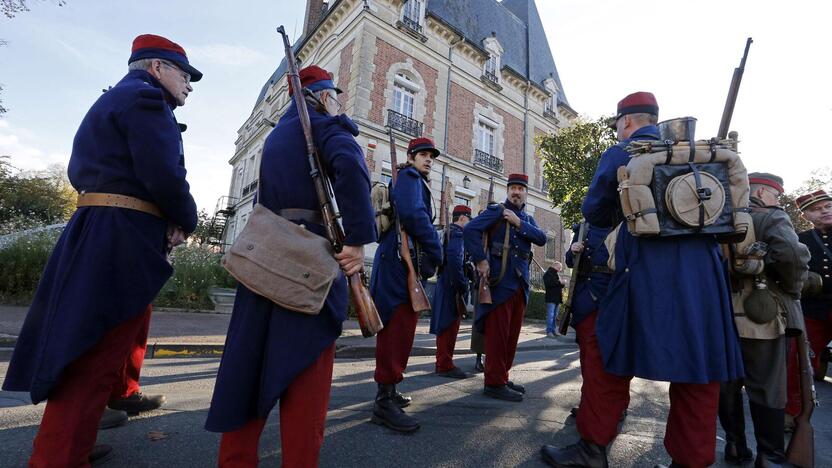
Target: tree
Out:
[818,179]
[43,197]
[569,160]
[12,7]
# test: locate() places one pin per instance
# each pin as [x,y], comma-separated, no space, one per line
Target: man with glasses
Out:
[84,337]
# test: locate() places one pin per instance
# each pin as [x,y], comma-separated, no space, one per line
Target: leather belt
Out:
[601,269]
[497,251]
[302,214]
[118,201]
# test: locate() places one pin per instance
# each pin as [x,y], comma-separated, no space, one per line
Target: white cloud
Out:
[225,54]
[25,154]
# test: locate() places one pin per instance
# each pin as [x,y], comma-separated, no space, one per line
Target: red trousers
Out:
[129,382]
[690,436]
[302,421]
[819,334]
[502,330]
[70,422]
[445,344]
[393,345]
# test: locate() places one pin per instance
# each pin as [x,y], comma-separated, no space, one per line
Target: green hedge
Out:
[196,269]
[537,305]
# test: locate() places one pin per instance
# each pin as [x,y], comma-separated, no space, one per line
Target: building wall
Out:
[364,49]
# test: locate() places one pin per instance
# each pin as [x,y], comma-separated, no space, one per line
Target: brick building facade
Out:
[476,76]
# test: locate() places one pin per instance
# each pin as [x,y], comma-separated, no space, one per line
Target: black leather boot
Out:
[516,387]
[137,403]
[100,454]
[112,418]
[584,454]
[771,445]
[402,400]
[733,422]
[386,412]
[478,365]
[502,392]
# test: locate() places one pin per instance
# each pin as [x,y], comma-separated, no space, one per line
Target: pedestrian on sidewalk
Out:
[272,353]
[764,316]
[83,340]
[412,201]
[554,295]
[666,316]
[449,297]
[504,263]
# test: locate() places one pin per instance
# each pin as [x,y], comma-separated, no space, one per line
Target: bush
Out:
[537,305]
[23,261]
[195,270]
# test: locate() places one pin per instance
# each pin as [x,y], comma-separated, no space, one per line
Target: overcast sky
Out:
[59,58]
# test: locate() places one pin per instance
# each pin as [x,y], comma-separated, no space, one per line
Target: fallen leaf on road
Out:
[156,435]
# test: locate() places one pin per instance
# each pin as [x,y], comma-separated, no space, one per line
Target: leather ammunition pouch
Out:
[282,261]
[678,189]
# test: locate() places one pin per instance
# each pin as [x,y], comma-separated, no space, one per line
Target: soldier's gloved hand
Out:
[483,268]
[351,259]
[176,236]
[577,247]
[427,270]
[512,218]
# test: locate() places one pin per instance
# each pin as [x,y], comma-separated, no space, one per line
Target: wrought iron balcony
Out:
[550,113]
[493,163]
[412,23]
[404,123]
[490,76]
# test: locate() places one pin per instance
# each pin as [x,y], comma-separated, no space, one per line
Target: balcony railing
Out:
[412,23]
[249,188]
[550,113]
[404,123]
[490,76]
[488,161]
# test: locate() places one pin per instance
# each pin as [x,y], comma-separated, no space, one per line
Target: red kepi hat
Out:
[462,210]
[315,78]
[519,179]
[422,144]
[151,46]
[810,199]
[640,102]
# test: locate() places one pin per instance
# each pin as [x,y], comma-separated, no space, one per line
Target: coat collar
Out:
[149,79]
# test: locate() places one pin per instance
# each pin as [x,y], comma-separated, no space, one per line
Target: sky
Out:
[59,58]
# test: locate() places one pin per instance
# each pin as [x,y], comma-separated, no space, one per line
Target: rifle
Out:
[368,318]
[484,290]
[731,100]
[801,451]
[418,299]
[564,317]
[444,220]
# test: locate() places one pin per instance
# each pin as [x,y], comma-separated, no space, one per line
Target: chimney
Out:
[314,9]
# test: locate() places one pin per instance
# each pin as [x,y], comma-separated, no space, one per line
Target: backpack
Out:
[383,209]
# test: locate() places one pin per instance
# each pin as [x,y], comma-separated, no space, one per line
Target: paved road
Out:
[460,427]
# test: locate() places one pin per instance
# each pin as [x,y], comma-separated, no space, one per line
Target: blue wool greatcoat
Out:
[667,314]
[517,269]
[388,284]
[451,284]
[109,263]
[591,290]
[267,346]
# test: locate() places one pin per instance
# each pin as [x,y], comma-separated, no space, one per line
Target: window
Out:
[485,138]
[551,103]
[413,10]
[491,64]
[461,201]
[385,178]
[251,169]
[404,95]
[241,172]
[551,248]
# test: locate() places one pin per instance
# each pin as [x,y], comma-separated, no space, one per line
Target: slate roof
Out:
[518,28]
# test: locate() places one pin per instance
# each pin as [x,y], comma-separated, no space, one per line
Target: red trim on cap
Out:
[810,199]
[771,183]
[152,41]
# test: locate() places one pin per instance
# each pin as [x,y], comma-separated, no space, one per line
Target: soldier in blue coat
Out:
[449,297]
[92,303]
[388,285]
[505,265]
[272,353]
[667,316]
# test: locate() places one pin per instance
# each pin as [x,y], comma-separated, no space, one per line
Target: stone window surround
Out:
[490,117]
[494,49]
[420,18]
[420,92]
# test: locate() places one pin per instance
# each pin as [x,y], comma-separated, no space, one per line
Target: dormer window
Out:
[491,69]
[412,14]
[550,106]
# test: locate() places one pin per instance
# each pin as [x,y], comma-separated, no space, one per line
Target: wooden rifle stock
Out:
[365,308]
[733,91]
[418,299]
[801,451]
[484,290]
[564,317]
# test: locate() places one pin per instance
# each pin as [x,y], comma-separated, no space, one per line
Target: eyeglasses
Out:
[185,75]
[334,102]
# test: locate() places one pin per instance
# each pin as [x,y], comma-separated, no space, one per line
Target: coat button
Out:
[306,275]
[250,247]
